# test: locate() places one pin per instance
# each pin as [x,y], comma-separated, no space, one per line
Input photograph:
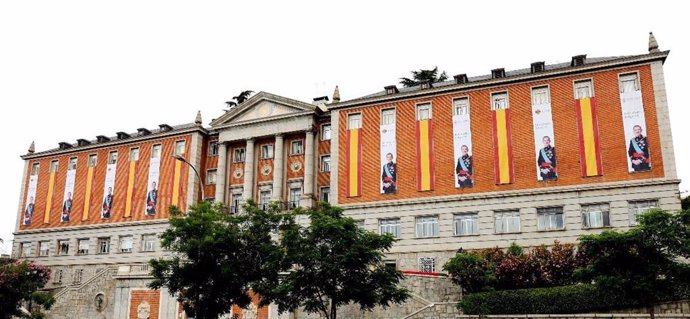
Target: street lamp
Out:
[201,187]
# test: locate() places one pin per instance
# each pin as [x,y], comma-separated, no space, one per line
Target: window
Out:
[390,226]
[180,147]
[78,275]
[112,158]
[53,166]
[325,132]
[639,207]
[595,216]
[354,121]
[326,163]
[148,242]
[325,193]
[93,158]
[387,116]
[264,199]
[83,246]
[295,195]
[212,148]
[550,218]
[360,223]
[427,264]
[43,248]
[392,264]
[238,157]
[72,164]
[583,89]
[211,176]
[57,276]
[499,101]
[296,148]
[461,106]
[35,168]
[134,154]
[24,250]
[507,222]
[63,247]
[540,95]
[235,203]
[629,83]
[423,111]
[126,244]
[156,151]
[427,226]
[103,245]
[466,224]
[267,151]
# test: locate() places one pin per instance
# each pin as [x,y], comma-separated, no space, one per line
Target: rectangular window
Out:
[212,148]
[211,176]
[295,195]
[43,248]
[156,151]
[93,159]
[427,264]
[264,199]
[296,148]
[24,250]
[57,276]
[540,95]
[326,163]
[354,121]
[134,154]
[499,101]
[640,207]
[238,156]
[466,224]
[103,245]
[148,242]
[550,218]
[360,223]
[392,264]
[63,247]
[583,89]
[507,222]
[423,111]
[78,275]
[72,164]
[235,203]
[54,166]
[325,132]
[387,116]
[461,106]
[126,244]
[325,193]
[427,226]
[390,226]
[35,168]
[595,216]
[629,83]
[112,157]
[267,151]
[83,245]
[180,147]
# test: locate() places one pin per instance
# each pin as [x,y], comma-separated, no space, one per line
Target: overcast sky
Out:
[77,69]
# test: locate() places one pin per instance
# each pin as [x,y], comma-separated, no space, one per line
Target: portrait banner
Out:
[67,196]
[503,148]
[635,128]
[544,142]
[354,162]
[425,160]
[30,205]
[152,186]
[108,191]
[388,157]
[462,150]
[588,129]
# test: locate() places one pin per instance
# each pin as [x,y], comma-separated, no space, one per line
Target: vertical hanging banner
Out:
[588,128]
[354,162]
[544,142]
[130,187]
[425,161]
[108,189]
[635,130]
[176,183]
[503,149]
[462,144]
[30,200]
[67,196]
[152,186]
[49,198]
[389,172]
[89,184]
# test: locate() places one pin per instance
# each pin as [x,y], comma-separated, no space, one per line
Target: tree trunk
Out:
[651,311]
[333,311]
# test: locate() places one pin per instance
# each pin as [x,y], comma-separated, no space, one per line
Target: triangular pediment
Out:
[264,106]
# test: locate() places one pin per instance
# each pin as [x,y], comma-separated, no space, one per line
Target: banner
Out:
[67,196]
[588,128]
[462,147]
[108,188]
[503,149]
[425,161]
[49,198]
[30,200]
[130,187]
[354,162]
[152,186]
[389,172]
[87,195]
[635,130]
[544,142]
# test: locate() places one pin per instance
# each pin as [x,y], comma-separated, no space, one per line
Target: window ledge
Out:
[508,233]
[467,235]
[550,230]
[427,237]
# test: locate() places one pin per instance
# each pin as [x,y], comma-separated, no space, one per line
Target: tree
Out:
[422,75]
[336,263]
[685,203]
[217,257]
[20,281]
[239,99]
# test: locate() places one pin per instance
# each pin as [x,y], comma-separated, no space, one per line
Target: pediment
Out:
[263,106]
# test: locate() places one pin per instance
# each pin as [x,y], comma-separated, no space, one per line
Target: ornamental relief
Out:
[295,166]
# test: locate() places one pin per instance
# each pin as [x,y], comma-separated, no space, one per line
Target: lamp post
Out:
[201,187]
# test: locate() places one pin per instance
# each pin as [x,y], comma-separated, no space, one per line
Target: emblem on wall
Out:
[99,302]
[295,166]
[237,173]
[143,310]
[265,170]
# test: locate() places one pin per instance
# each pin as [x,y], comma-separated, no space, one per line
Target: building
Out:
[476,166]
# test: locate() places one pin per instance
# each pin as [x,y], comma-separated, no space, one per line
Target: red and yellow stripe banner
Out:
[354,162]
[588,128]
[503,148]
[49,199]
[130,188]
[425,160]
[87,195]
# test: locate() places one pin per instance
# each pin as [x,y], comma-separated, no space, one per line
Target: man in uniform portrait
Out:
[151,200]
[389,175]
[463,168]
[67,207]
[638,151]
[547,160]
[29,211]
[107,204]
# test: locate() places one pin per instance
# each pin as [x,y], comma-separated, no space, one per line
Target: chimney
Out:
[336,95]
[82,142]
[122,135]
[653,45]
[143,132]
[538,67]
[321,100]
[461,79]
[498,73]
[391,89]
[32,148]
[578,60]
[64,145]
[426,85]
[102,139]
[165,127]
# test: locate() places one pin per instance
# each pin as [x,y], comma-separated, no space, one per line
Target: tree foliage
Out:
[685,203]
[239,99]
[422,75]
[20,281]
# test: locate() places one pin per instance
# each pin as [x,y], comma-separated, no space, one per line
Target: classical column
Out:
[248,190]
[309,167]
[220,173]
[278,164]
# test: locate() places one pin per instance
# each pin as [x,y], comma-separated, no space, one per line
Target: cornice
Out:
[91,226]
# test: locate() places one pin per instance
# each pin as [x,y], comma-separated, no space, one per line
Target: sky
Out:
[77,69]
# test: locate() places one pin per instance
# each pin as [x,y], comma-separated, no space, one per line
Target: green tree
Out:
[20,281]
[471,271]
[239,99]
[685,203]
[217,258]
[336,263]
[422,75]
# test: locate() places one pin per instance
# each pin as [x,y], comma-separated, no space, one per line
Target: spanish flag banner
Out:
[503,149]
[425,161]
[354,162]
[590,154]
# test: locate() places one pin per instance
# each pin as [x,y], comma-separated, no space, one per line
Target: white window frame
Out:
[35,168]
[134,153]
[83,246]
[72,164]
[509,222]
[419,111]
[112,157]
[43,252]
[627,77]
[354,121]
[388,116]
[104,245]
[583,84]
[496,97]
[235,203]
[60,243]
[326,132]
[323,163]
[93,160]
[461,105]
[213,148]
[638,207]
[294,195]
[328,194]
[390,226]
[426,226]
[180,147]
[54,166]
[427,260]
[541,90]
[601,213]
[211,176]
[547,218]
[264,199]
[267,151]
[156,150]
[300,151]
[148,242]
[24,249]
[126,244]
[239,155]
[466,224]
